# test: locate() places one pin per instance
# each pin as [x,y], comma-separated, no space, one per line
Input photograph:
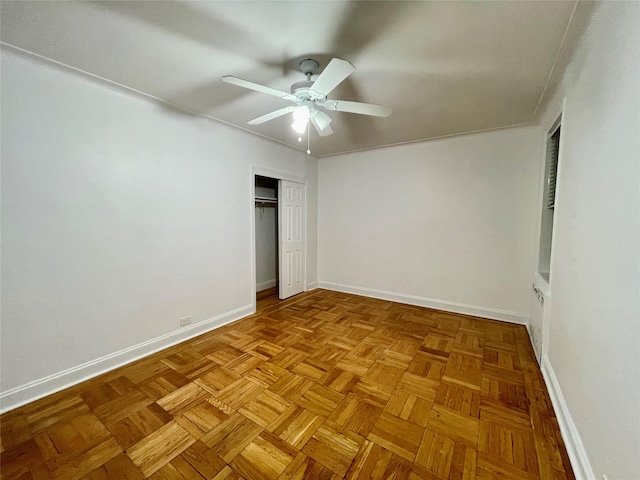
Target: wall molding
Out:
[264,285]
[312,286]
[575,448]
[476,311]
[42,387]
[130,90]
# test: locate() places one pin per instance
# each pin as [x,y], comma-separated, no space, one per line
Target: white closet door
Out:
[291,221]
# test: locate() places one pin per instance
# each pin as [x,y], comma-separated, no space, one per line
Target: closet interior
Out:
[266,211]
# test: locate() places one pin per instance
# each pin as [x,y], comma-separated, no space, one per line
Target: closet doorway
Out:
[266,228]
[278,227]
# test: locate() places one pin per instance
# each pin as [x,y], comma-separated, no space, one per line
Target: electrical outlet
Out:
[185,321]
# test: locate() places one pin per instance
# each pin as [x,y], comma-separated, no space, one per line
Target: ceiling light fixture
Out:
[310,96]
[300,119]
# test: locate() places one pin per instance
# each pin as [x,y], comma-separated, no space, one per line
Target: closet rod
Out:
[266,199]
[261,204]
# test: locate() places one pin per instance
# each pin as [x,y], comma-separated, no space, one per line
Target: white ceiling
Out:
[444,67]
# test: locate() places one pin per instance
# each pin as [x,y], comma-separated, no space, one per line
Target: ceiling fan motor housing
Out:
[305,96]
[301,89]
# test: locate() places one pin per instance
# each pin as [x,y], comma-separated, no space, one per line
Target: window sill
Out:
[541,281]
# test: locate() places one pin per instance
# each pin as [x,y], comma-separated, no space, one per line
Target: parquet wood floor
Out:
[322,386]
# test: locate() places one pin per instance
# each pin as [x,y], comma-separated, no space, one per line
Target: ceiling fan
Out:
[310,95]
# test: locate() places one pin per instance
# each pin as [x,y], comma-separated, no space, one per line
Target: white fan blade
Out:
[323,132]
[272,115]
[257,87]
[357,107]
[322,119]
[333,74]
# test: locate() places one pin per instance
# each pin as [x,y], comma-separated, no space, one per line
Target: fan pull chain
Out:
[308,135]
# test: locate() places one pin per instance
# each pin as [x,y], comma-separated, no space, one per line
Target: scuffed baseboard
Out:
[42,387]
[494,314]
[575,448]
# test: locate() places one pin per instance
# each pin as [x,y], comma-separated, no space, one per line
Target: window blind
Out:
[553,147]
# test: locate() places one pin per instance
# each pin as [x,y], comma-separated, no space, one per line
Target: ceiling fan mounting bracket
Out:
[309,66]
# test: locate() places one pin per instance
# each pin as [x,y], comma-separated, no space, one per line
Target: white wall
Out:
[593,352]
[119,217]
[448,223]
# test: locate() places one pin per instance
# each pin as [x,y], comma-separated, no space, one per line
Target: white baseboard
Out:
[575,448]
[312,286]
[42,387]
[264,285]
[533,343]
[494,314]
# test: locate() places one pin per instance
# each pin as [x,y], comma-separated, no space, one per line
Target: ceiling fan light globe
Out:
[301,114]
[300,119]
[299,127]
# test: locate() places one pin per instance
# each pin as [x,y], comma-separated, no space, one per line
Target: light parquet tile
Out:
[333,447]
[409,407]
[306,468]
[203,459]
[202,418]
[459,399]
[122,406]
[265,408]
[356,415]
[288,358]
[183,398]
[120,466]
[397,435]
[267,374]
[177,469]
[296,425]
[436,453]
[385,373]
[153,452]
[265,458]
[139,425]
[325,385]
[374,462]
[230,437]
[216,380]
[240,392]
[320,400]
[455,425]
[245,363]
[164,383]
[342,381]
[291,386]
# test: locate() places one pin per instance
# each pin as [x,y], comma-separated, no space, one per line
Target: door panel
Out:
[291,201]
